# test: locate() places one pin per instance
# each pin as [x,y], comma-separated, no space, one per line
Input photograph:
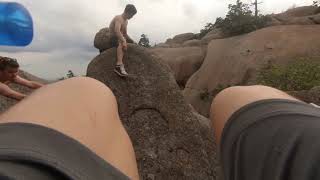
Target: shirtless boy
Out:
[9,69]
[119,36]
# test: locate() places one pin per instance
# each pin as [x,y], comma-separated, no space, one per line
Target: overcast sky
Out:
[65,29]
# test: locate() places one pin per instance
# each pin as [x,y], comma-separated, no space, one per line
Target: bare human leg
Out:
[119,69]
[83,109]
[120,55]
[232,99]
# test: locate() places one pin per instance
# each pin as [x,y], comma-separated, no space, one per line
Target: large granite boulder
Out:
[163,45]
[181,38]
[193,43]
[297,16]
[309,96]
[102,40]
[216,33]
[170,140]
[315,18]
[301,11]
[183,61]
[237,60]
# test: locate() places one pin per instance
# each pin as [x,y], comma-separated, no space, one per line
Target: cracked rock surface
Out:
[170,140]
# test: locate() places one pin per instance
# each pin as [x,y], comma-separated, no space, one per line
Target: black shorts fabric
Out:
[33,152]
[114,42]
[272,140]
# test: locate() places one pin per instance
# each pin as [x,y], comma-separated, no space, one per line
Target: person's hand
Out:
[125,45]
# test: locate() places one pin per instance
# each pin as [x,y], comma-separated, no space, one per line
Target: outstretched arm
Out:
[128,38]
[7,91]
[118,31]
[30,84]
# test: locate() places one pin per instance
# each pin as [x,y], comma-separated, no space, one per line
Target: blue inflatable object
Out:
[16,26]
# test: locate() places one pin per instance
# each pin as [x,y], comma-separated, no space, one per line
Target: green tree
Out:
[144,41]
[256,10]
[70,74]
[239,20]
[209,27]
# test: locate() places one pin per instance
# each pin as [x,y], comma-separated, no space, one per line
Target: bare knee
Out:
[234,98]
[83,82]
[83,86]
[242,95]
[226,96]
[121,47]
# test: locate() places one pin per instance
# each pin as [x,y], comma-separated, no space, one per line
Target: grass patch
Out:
[302,74]
[207,95]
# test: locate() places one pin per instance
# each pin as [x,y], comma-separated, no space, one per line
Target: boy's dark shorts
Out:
[272,140]
[114,42]
[33,152]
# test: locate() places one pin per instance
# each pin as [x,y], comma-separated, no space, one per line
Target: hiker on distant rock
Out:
[119,36]
[9,69]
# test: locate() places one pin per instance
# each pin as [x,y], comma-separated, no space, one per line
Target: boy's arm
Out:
[7,91]
[30,84]
[129,40]
[118,31]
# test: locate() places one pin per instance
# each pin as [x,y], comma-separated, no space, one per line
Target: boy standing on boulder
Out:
[119,36]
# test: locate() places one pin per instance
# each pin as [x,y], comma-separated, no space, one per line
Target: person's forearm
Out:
[129,39]
[20,96]
[16,95]
[120,36]
[5,90]
[36,85]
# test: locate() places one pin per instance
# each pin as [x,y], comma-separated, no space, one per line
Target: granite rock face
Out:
[170,140]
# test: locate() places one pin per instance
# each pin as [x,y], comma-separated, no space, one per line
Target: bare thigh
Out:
[232,99]
[84,109]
